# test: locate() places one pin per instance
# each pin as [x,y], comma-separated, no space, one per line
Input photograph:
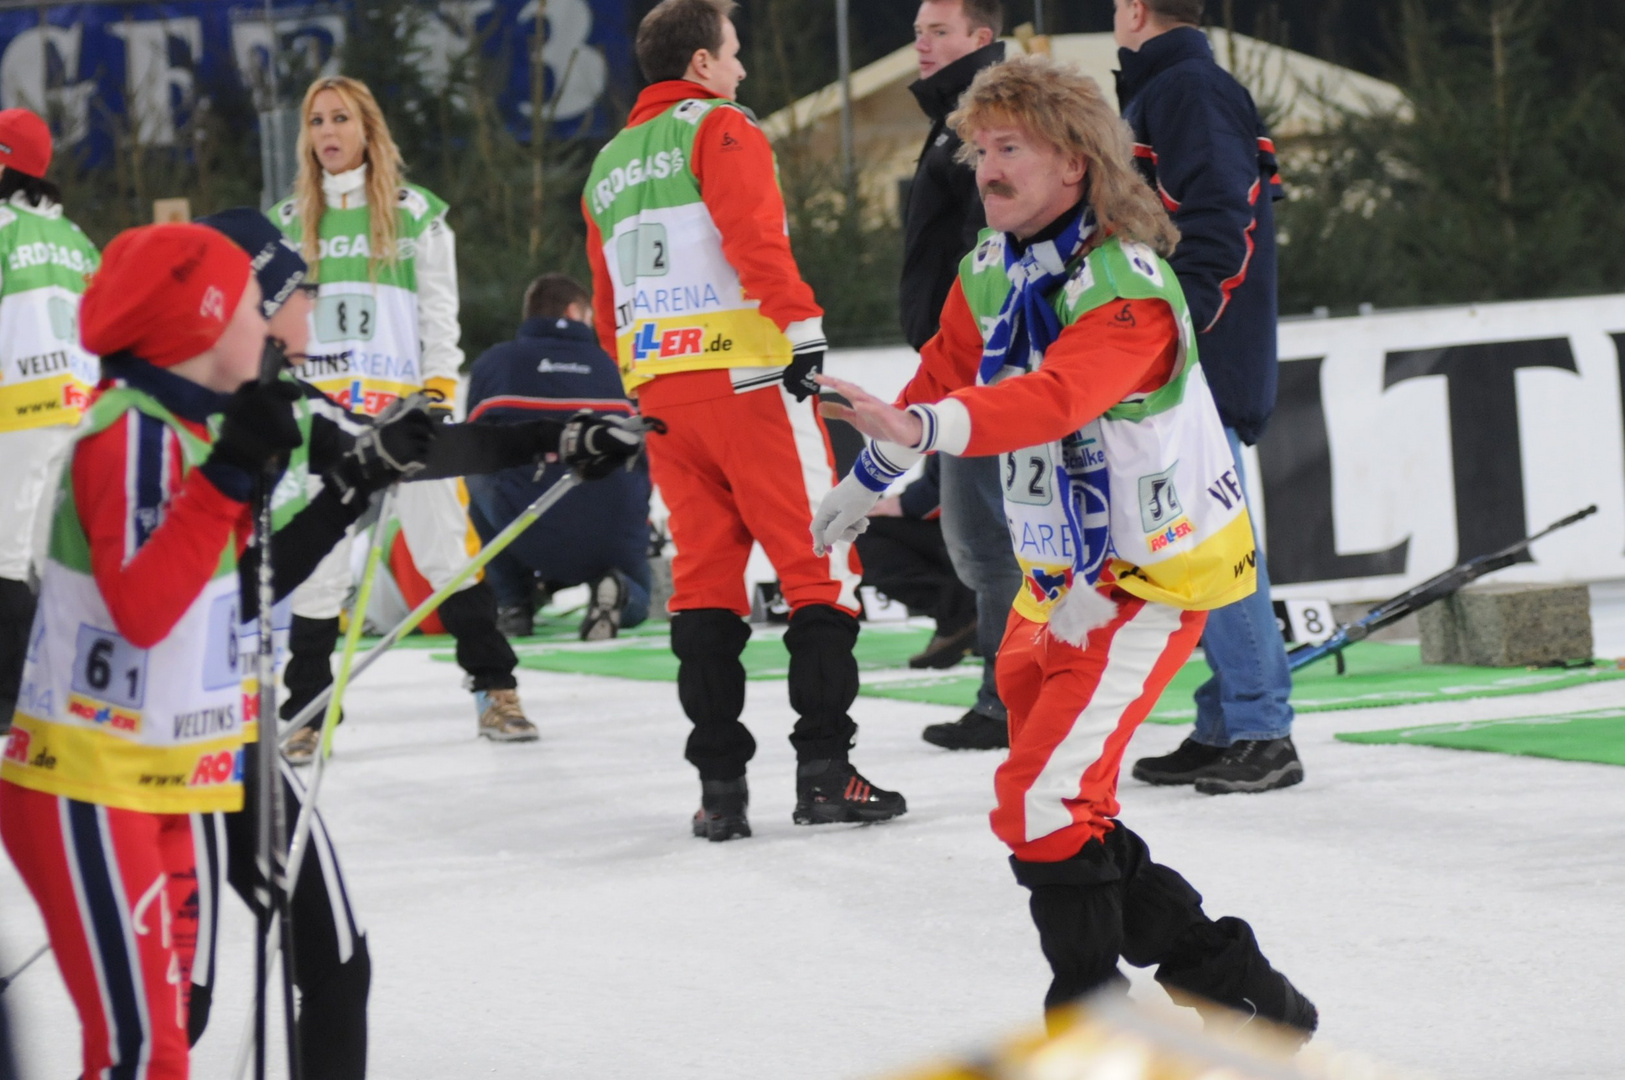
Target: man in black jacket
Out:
[1200,142]
[953,40]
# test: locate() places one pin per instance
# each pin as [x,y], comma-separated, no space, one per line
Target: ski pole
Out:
[270,823]
[544,502]
[7,980]
[301,829]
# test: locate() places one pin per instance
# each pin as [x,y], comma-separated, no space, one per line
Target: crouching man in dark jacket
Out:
[555,368]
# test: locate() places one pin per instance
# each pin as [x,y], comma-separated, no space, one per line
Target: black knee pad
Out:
[708,643]
[310,661]
[1080,930]
[823,672]
[470,616]
[1159,905]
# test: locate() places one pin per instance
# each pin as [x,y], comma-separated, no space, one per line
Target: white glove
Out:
[843,515]
[1081,610]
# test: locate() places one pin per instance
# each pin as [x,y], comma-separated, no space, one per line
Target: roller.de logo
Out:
[222,767]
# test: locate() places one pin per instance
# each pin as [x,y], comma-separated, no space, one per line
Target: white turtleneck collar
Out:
[346,189]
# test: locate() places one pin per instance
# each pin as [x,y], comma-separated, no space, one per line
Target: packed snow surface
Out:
[542,911]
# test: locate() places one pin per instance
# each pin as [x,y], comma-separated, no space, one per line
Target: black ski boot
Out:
[1253,765]
[832,791]
[721,815]
[1186,765]
[973,731]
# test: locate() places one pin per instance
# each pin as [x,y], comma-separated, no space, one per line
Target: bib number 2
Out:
[1029,477]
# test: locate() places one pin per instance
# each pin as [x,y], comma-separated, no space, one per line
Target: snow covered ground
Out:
[541,911]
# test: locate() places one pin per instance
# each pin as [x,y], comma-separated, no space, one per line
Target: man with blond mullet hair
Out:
[1067,349]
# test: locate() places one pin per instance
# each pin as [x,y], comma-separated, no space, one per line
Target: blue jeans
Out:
[1246,699]
[979,547]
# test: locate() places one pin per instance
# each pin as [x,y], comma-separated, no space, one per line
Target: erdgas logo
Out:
[654,167]
[360,247]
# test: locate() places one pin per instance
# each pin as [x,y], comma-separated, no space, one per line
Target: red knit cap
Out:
[25,142]
[164,292]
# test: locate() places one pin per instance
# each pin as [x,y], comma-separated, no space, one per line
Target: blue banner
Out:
[146,69]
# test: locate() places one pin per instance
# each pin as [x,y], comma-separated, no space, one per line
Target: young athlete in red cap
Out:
[133,710]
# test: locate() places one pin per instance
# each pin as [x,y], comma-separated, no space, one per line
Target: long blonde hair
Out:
[1059,105]
[384,169]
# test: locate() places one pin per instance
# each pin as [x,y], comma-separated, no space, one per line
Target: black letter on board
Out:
[1484,443]
[1295,465]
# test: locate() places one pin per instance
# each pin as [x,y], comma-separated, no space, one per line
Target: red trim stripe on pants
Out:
[1072,713]
[118,891]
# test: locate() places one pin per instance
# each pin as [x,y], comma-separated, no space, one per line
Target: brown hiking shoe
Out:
[501,718]
[302,747]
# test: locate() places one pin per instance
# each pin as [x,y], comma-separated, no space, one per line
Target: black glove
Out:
[397,447]
[595,446]
[258,427]
[804,365]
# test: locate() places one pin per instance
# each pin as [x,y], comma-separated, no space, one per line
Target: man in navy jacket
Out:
[1200,142]
[552,369]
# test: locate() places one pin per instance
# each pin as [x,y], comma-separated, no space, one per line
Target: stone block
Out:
[1508,626]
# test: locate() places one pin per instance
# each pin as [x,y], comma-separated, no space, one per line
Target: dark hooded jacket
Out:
[1200,142]
[944,211]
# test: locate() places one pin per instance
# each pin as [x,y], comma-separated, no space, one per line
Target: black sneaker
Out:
[973,731]
[946,650]
[517,621]
[605,599]
[833,791]
[721,815]
[1253,765]
[1184,766]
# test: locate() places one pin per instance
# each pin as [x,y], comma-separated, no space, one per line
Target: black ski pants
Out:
[332,968]
[16,619]
[907,559]
[823,683]
[1112,901]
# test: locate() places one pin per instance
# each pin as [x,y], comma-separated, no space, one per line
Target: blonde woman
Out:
[384,325]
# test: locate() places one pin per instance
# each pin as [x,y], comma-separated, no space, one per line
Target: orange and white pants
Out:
[737,467]
[1072,713]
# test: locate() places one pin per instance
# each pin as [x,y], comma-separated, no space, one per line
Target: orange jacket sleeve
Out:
[733,162]
[603,290]
[1125,347]
[949,361]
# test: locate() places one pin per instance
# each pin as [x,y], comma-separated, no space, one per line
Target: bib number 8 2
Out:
[346,317]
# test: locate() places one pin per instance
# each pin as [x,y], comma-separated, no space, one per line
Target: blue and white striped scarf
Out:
[1027,324]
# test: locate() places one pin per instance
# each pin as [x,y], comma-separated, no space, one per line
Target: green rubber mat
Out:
[1597,735]
[648,656]
[1378,673]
